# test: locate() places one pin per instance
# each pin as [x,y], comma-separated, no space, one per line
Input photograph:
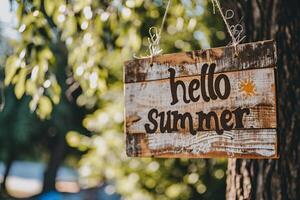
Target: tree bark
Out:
[273,179]
[57,155]
[59,122]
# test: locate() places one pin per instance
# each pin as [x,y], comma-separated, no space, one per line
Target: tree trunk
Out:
[58,149]
[273,179]
[57,155]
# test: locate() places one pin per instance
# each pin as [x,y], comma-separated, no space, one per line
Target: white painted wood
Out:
[250,143]
[147,86]
[141,97]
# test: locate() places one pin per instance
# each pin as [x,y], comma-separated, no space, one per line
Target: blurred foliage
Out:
[75,50]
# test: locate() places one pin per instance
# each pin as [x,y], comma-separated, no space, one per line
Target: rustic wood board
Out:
[251,56]
[147,86]
[141,97]
[236,144]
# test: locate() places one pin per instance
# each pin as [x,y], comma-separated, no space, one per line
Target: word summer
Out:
[207,88]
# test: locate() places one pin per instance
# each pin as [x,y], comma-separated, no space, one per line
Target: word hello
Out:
[208,88]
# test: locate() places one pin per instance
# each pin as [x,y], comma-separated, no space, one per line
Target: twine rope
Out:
[235,31]
[154,39]
[155,36]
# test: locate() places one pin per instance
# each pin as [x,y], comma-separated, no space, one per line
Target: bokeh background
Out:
[61,99]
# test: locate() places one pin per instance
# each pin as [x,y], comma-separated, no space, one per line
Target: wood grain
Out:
[147,86]
[236,143]
[141,97]
[250,56]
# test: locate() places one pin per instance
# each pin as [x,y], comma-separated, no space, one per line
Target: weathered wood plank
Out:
[142,97]
[250,56]
[236,143]
[208,103]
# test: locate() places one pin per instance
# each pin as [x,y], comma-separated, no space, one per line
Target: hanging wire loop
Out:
[155,36]
[235,31]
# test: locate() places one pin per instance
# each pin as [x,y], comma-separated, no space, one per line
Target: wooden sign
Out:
[207,103]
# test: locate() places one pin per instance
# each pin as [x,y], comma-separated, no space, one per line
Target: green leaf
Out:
[70,27]
[49,7]
[46,53]
[54,90]
[10,69]
[31,87]
[44,107]
[20,85]
[20,11]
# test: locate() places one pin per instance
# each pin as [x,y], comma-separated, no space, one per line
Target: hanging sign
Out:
[207,103]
